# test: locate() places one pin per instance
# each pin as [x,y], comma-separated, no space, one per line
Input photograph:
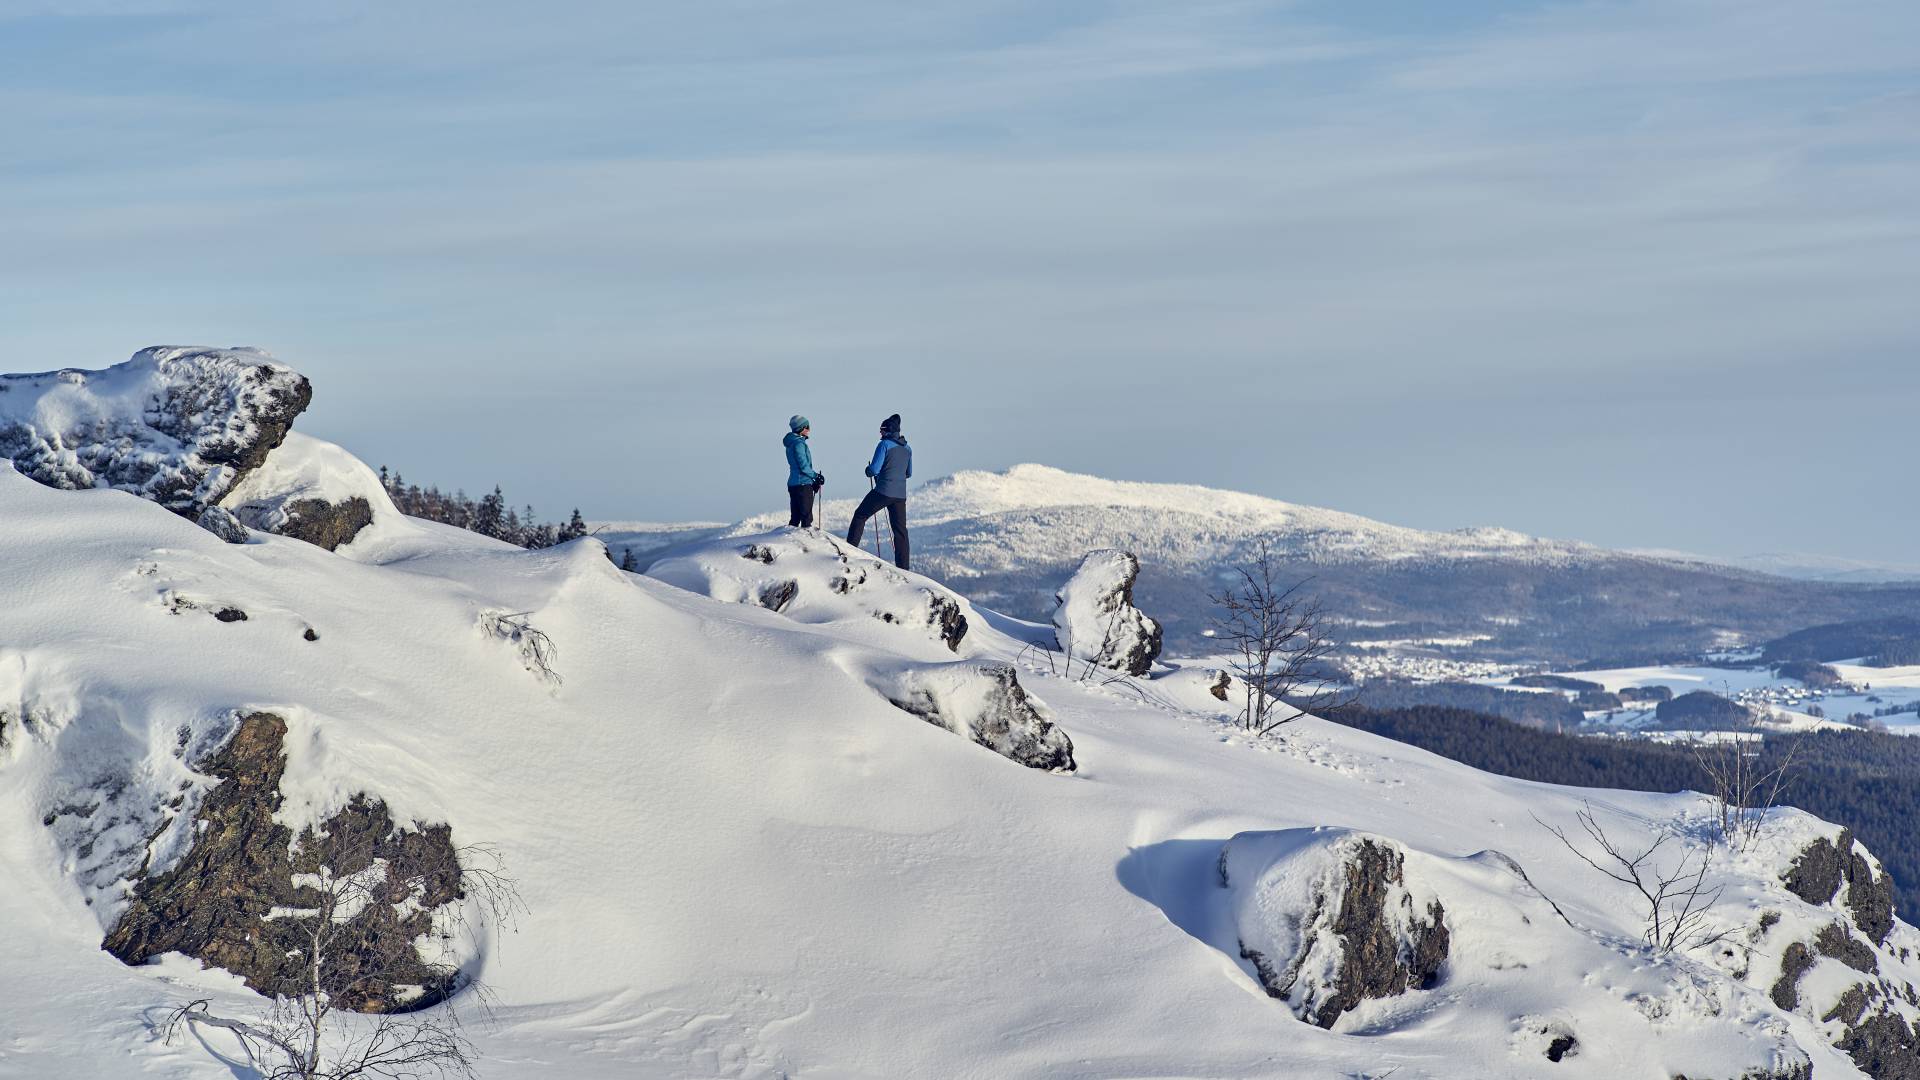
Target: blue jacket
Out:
[892,466]
[799,461]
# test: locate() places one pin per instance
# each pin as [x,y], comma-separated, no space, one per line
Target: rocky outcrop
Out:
[1095,620]
[325,524]
[813,578]
[1820,870]
[180,426]
[221,523]
[1872,1018]
[1328,919]
[244,895]
[984,702]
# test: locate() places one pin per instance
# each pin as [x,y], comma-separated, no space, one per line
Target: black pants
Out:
[896,517]
[800,506]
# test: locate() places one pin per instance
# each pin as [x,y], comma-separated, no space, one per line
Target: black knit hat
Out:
[891,425]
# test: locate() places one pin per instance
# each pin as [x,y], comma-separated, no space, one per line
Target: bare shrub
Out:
[1741,784]
[537,650]
[1673,893]
[303,1036]
[1278,638]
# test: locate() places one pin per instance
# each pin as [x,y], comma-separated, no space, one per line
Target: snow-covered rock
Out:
[239,896]
[983,702]
[1365,934]
[1329,919]
[816,578]
[1096,621]
[220,521]
[314,491]
[180,426]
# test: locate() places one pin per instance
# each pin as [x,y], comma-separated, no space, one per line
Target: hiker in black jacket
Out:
[891,467]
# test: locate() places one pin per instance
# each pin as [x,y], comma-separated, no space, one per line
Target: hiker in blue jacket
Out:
[803,480]
[892,465]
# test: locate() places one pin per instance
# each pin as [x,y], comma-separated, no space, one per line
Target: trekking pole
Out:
[872,483]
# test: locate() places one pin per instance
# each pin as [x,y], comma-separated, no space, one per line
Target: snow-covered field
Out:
[1867,690]
[765,822]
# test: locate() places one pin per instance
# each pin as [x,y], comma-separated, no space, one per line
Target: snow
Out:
[739,858]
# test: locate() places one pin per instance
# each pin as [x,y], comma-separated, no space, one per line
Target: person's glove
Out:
[819,480]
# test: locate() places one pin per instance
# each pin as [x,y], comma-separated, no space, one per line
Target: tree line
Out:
[489,515]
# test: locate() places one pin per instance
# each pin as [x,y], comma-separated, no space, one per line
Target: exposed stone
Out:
[232,902]
[1834,940]
[1561,1046]
[1884,1046]
[1794,962]
[1096,621]
[220,522]
[1825,865]
[777,596]
[230,614]
[310,634]
[325,524]
[943,614]
[1222,682]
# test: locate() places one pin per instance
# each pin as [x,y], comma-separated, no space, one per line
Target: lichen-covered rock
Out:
[1095,620]
[242,894]
[180,426]
[1329,919]
[221,523]
[984,702]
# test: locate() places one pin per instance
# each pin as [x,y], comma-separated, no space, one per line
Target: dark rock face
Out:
[232,901]
[986,703]
[1836,941]
[1373,962]
[1884,1046]
[776,597]
[325,524]
[230,614]
[218,521]
[1221,683]
[1561,1046]
[1794,963]
[945,617]
[179,426]
[1819,871]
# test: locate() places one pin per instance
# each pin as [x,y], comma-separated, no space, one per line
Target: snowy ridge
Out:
[1172,521]
[766,836]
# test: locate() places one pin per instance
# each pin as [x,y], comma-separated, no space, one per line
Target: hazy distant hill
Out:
[1010,538]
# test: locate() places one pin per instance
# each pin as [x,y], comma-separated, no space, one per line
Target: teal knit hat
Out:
[796,422]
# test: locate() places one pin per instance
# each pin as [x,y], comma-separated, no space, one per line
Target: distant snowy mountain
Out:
[786,811]
[1014,536]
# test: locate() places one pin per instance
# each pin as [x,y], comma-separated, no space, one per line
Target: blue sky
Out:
[1638,273]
